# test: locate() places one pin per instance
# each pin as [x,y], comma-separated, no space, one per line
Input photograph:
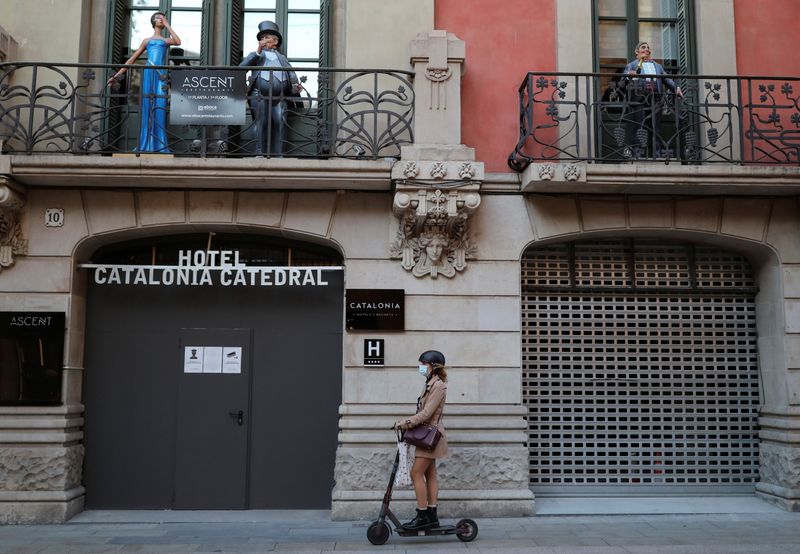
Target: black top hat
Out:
[269,27]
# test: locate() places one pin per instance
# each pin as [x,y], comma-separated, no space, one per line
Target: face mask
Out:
[423,369]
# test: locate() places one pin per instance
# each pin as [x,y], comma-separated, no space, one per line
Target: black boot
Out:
[419,523]
[432,517]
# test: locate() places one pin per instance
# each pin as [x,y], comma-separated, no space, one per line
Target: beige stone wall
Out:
[47,30]
[473,318]
[376,33]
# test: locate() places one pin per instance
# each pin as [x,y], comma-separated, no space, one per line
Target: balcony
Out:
[63,125]
[605,133]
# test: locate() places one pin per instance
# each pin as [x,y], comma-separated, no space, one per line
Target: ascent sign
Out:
[209,268]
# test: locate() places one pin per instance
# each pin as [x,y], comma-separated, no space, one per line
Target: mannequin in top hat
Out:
[269,108]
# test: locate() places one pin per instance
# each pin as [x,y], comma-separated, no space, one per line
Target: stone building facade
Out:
[380,216]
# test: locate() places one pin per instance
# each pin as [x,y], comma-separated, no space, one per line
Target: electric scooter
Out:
[379,530]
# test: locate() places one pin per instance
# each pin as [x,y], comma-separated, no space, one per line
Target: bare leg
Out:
[418,473]
[432,484]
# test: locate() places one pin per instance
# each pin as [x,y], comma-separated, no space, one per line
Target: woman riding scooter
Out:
[430,406]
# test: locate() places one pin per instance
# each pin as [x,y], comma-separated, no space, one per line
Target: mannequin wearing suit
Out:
[645,95]
[273,86]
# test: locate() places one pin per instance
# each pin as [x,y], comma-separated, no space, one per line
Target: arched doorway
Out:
[217,394]
[640,368]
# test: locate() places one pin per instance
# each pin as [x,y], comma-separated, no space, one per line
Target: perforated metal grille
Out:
[632,385]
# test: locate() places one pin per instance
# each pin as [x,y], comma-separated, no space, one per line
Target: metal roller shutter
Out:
[640,368]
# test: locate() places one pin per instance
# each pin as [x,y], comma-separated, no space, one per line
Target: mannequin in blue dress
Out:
[153,129]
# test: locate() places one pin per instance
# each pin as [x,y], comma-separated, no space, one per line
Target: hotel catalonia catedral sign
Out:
[210,268]
[375,309]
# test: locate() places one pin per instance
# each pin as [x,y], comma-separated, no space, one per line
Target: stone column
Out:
[437,184]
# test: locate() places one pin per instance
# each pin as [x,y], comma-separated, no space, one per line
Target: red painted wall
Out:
[505,39]
[767,33]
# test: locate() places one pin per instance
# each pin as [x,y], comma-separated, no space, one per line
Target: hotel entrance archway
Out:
[254,424]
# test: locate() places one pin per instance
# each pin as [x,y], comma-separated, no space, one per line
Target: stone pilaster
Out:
[485,474]
[437,180]
[41,462]
[779,453]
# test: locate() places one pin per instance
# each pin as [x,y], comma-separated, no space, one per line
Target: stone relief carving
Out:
[437,75]
[466,171]
[439,170]
[547,172]
[572,172]
[12,243]
[411,170]
[433,237]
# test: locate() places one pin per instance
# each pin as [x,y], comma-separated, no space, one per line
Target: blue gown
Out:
[153,130]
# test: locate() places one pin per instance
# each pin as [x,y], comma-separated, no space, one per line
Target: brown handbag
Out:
[424,435]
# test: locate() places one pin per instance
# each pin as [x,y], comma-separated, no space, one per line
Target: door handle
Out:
[239,416]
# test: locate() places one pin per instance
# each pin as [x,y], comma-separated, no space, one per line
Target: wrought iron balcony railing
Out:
[69,108]
[610,118]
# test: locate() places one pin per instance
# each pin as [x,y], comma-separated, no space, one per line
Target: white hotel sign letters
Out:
[208,268]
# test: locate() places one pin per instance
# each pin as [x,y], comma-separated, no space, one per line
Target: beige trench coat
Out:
[429,410]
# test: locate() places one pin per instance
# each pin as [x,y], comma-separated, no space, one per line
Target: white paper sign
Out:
[232,359]
[193,359]
[212,359]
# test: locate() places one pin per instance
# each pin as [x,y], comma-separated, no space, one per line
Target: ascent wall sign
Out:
[207,97]
[375,309]
[210,268]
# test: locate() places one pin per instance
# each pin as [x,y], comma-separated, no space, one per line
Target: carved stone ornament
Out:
[437,75]
[12,242]
[411,170]
[547,172]
[572,172]
[466,171]
[433,238]
[439,170]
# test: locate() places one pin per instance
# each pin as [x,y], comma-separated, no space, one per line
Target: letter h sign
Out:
[374,352]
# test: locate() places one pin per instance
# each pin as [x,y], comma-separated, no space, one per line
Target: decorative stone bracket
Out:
[545,177]
[11,241]
[437,180]
[433,237]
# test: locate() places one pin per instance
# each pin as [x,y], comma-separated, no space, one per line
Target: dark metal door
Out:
[213,420]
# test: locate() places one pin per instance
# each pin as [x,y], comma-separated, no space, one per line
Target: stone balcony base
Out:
[168,172]
[650,178]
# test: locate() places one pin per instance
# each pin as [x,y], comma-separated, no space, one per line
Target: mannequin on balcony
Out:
[646,99]
[269,89]
[153,124]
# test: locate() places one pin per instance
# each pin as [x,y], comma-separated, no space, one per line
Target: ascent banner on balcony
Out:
[210,268]
[207,97]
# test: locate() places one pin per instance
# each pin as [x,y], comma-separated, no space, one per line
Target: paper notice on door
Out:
[212,359]
[231,359]
[193,359]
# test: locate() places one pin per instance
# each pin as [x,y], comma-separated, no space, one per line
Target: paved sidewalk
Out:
[770,531]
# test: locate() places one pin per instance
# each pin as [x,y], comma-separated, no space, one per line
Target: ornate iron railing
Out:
[597,118]
[69,108]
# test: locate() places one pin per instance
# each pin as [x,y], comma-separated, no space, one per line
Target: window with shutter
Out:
[664,24]
[304,25]
[191,19]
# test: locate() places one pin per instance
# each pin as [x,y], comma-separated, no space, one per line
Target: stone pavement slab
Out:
[312,531]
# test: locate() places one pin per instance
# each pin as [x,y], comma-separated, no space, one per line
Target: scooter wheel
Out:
[378,532]
[466,530]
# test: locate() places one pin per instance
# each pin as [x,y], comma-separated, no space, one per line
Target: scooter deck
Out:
[441,530]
